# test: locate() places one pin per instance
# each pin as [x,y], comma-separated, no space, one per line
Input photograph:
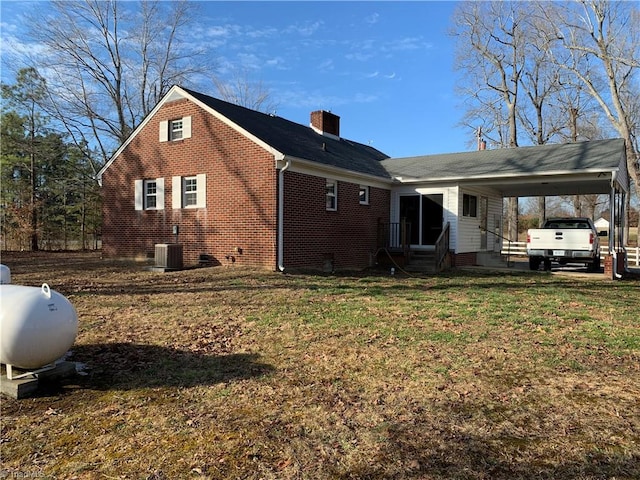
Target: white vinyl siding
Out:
[468,234]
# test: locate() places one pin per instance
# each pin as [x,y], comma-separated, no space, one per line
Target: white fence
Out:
[520,249]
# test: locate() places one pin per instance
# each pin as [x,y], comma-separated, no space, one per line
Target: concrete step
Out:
[422,262]
[490,259]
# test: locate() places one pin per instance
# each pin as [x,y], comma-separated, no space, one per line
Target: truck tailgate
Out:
[565,239]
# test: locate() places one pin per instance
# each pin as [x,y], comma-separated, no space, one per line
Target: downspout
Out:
[281,215]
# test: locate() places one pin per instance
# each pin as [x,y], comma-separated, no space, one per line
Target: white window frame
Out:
[467,204]
[364,194]
[190,192]
[179,191]
[141,195]
[331,195]
[167,132]
[148,196]
[176,129]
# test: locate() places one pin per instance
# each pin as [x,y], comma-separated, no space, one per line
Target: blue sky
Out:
[386,68]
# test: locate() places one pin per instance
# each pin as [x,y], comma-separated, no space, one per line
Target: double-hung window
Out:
[469,205]
[331,193]
[175,129]
[364,195]
[190,189]
[149,194]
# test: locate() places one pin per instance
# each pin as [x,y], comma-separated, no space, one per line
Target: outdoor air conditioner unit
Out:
[168,256]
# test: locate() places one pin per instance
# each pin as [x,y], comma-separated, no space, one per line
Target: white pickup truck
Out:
[564,240]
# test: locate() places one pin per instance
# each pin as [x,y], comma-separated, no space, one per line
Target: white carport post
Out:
[617,225]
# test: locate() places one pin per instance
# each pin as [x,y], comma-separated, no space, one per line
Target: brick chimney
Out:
[325,123]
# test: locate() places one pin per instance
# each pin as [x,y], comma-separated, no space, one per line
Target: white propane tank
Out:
[5,275]
[37,326]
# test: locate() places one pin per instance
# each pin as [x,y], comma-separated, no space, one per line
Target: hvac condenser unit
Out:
[168,256]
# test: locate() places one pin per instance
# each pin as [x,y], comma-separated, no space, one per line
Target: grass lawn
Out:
[236,373]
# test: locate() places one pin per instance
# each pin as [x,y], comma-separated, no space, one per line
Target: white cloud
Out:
[267,32]
[326,65]
[225,31]
[311,100]
[405,44]
[372,19]
[359,56]
[276,62]
[306,29]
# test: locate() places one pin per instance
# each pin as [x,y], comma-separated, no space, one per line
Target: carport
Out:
[581,168]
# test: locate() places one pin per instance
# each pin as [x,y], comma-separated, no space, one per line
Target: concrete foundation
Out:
[28,386]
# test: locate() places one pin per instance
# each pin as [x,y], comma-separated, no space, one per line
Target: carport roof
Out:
[563,169]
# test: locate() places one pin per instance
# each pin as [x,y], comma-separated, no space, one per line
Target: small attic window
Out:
[175,129]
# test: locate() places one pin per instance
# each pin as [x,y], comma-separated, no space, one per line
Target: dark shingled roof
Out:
[293,139]
[596,155]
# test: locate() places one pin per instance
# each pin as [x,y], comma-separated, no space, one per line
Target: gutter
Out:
[281,215]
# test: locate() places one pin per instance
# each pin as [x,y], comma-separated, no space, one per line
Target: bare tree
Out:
[541,118]
[107,64]
[491,51]
[241,90]
[600,43]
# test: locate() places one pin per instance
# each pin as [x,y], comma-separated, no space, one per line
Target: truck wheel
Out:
[534,263]
[595,265]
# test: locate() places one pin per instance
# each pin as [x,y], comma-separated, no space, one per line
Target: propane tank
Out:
[37,326]
[5,275]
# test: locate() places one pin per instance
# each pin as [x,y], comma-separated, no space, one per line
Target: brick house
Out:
[243,187]
[254,189]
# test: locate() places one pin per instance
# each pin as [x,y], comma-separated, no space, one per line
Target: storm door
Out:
[424,212]
[484,222]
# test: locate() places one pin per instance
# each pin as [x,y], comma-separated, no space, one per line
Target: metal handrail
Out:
[503,238]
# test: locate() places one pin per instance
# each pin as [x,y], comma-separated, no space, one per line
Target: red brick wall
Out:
[464,259]
[239,220]
[314,236]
